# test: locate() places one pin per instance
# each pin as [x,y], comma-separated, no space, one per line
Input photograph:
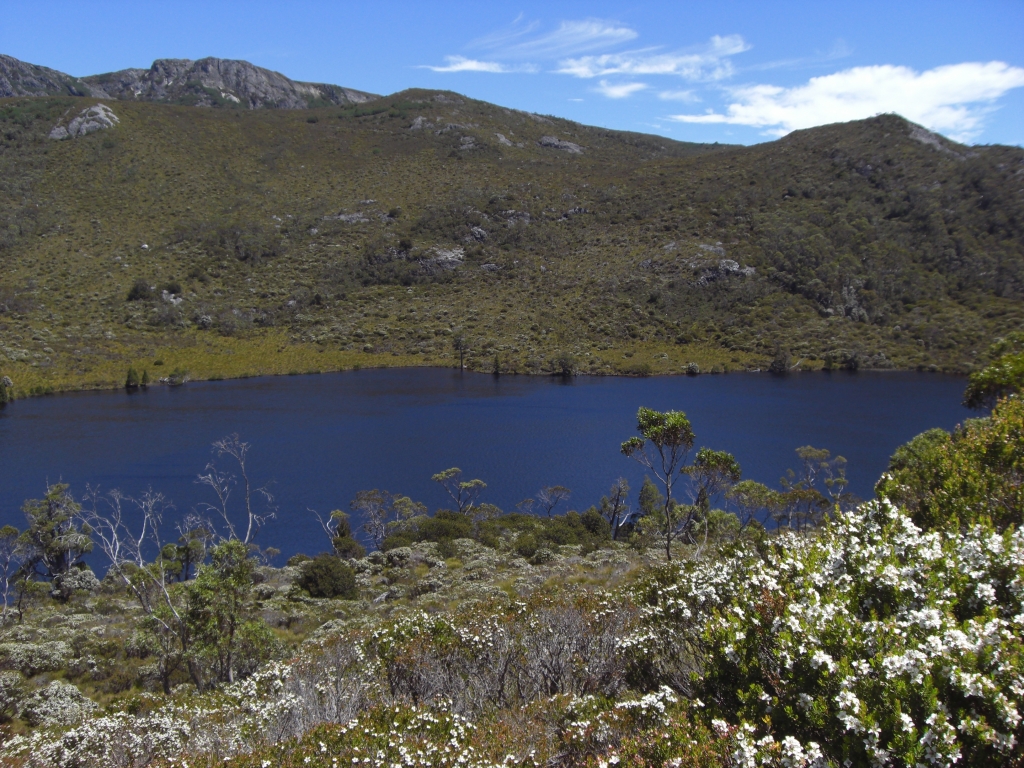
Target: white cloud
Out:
[952,99]
[678,96]
[710,63]
[462,64]
[619,90]
[570,38]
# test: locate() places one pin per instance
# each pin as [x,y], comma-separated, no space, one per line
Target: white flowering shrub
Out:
[873,643]
[35,657]
[12,691]
[58,703]
[75,580]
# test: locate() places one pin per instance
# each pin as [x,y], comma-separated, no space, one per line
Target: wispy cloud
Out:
[709,63]
[689,96]
[570,38]
[462,64]
[952,99]
[619,90]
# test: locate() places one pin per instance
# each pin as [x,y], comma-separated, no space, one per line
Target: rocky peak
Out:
[207,82]
[18,78]
[218,82]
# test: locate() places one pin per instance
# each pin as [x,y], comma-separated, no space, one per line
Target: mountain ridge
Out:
[207,82]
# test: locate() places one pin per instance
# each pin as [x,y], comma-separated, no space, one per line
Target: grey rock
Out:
[207,82]
[490,267]
[218,82]
[716,248]
[19,78]
[98,117]
[443,259]
[347,218]
[575,211]
[933,140]
[555,143]
[516,216]
[535,117]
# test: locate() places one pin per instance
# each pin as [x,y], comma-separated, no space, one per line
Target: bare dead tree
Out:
[550,496]
[614,507]
[526,506]
[221,483]
[383,513]
[124,547]
[12,552]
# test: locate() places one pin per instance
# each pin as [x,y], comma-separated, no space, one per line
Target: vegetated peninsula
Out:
[424,227]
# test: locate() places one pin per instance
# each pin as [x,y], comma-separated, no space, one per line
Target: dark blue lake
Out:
[320,439]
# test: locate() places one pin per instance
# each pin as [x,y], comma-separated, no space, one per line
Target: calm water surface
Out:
[319,439]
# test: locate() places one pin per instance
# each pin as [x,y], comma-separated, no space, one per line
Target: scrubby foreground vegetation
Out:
[672,632]
[428,228]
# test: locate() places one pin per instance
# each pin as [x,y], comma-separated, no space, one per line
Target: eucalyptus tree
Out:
[550,496]
[55,541]
[382,513]
[711,473]
[463,492]
[664,443]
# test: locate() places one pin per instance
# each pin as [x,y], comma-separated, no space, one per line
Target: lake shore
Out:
[205,357]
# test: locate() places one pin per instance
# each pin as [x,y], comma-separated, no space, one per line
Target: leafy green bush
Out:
[445,525]
[326,576]
[526,545]
[945,480]
[140,291]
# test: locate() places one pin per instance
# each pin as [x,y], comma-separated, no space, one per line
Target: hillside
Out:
[233,242]
[208,82]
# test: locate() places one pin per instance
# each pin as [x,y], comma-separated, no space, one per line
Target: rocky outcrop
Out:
[18,78]
[555,143]
[218,82]
[207,82]
[96,118]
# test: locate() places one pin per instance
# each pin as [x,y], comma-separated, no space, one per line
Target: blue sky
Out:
[737,72]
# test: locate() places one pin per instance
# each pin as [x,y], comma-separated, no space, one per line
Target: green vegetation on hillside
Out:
[229,243]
